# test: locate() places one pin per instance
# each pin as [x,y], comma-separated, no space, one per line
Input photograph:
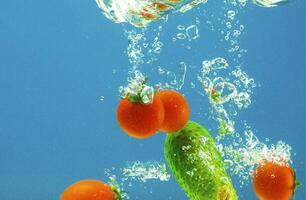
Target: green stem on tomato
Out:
[117,192]
[141,95]
[296,185]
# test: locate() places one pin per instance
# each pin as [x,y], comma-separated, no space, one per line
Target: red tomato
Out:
[274,181]
[176,110]
[140,120]
[88,190]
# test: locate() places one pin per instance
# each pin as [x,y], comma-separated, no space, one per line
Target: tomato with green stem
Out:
[91,190]
[274,181]
[140,120]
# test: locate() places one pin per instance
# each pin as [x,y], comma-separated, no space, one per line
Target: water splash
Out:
[136,172]
[137,89]
[146,171]
[269,3]
[228,91]
[245,152]
[139,12]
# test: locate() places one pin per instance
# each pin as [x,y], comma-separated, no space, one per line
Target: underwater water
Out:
[63,66]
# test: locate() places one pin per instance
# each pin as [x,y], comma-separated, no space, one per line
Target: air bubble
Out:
[181,36]
[192,32]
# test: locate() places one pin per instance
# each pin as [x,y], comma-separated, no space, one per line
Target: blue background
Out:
[57,59]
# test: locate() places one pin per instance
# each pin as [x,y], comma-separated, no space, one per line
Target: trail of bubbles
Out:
[137,171]
[229,91]
[143,49]
[146,171]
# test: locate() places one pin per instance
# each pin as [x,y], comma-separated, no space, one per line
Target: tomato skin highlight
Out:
[274,181]
[140,120]
[176,110]
[88,190]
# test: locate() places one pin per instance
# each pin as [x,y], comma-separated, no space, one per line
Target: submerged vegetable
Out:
[197,164]
[274,181]
[140,120]
[91,190]
[176,110]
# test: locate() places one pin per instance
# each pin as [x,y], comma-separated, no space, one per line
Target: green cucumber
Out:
[197,164]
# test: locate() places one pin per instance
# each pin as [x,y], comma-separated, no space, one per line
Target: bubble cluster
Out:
[134,49]
[245,151]
[141,48]
[233,28]
[137,89]
[134,172]
[189,33]
[228,91]
[146,171]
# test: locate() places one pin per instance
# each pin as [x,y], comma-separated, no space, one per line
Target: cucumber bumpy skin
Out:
[197,164]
